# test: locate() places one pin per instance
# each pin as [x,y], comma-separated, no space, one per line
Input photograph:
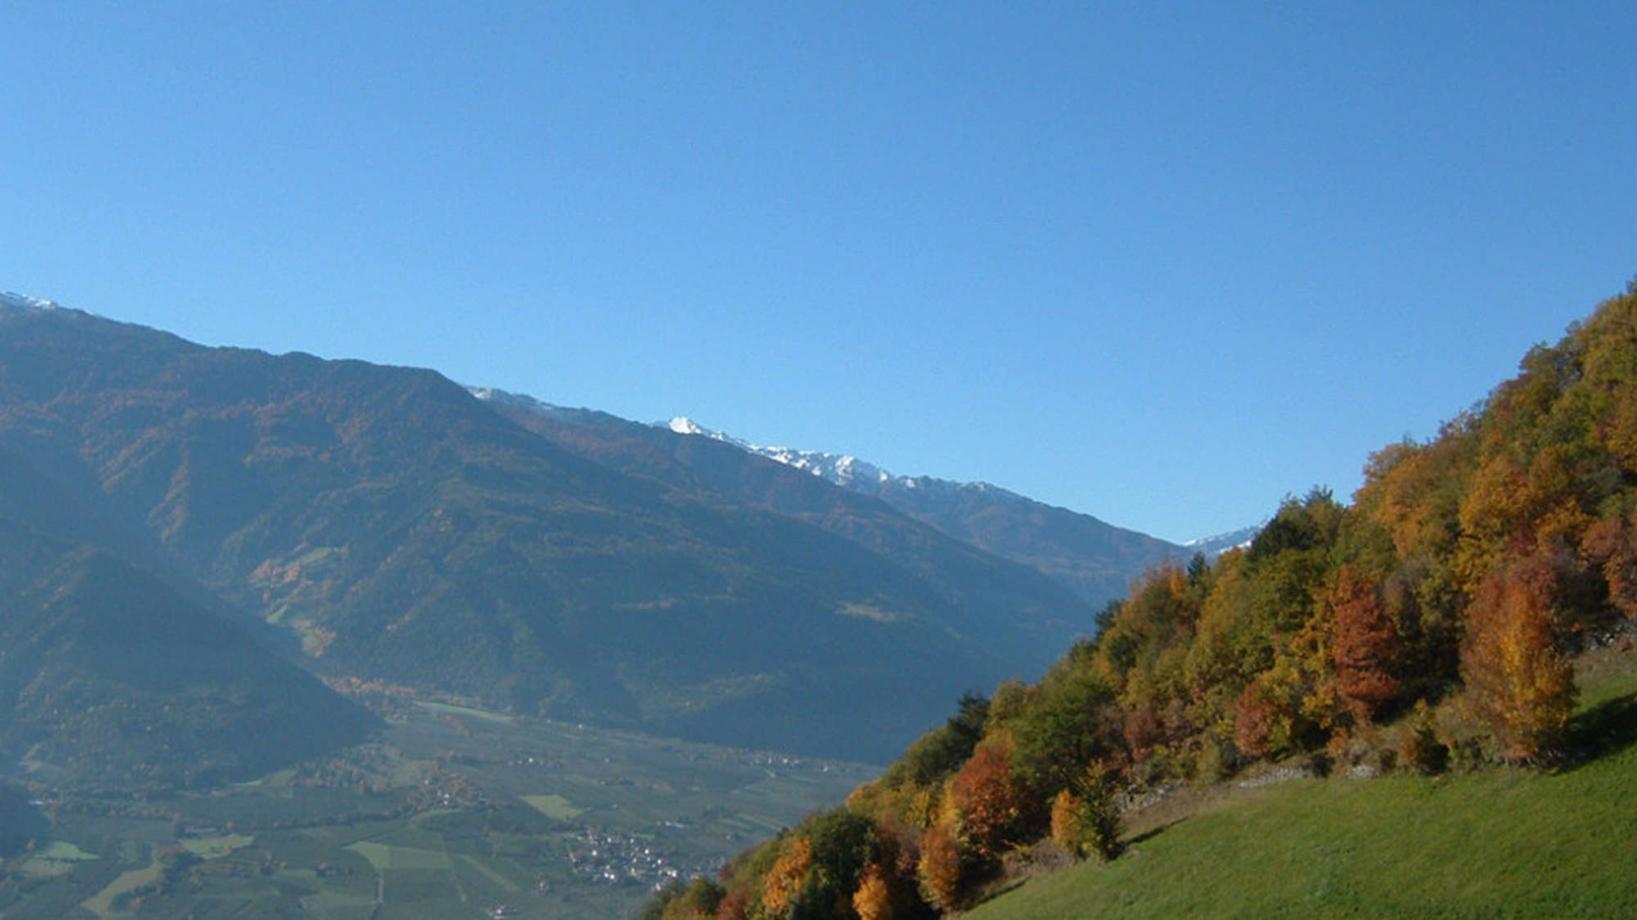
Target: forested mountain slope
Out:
[409,532]
[113,673]
[1023,615]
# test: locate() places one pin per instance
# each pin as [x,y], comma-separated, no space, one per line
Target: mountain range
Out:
[1094,559]
[219,504]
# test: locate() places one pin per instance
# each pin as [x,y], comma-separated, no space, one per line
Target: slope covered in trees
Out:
[1506,842]
[120,674]
[978,584]
[1430,624]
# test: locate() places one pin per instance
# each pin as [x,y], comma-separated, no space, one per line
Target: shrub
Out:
[1086,820]
[1418,746]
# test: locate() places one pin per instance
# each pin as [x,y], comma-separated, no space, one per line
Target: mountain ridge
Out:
[407,531]
[1091,557]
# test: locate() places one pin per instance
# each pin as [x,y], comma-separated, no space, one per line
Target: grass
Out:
[216,847]
[382,857]
[452,710]
[1496,843]
[102,902]
[63,851]
[554,806]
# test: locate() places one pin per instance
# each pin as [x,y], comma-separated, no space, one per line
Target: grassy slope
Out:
[1495,843]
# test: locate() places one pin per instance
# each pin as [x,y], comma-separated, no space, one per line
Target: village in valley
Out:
[455,811]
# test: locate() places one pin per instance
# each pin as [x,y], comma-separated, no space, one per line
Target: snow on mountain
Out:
[850,472]
[1217,544]
[501,397]
[1092,558]
[841,469]
[25,302]
[684,425]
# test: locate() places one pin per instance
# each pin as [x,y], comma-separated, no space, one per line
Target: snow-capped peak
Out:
[842,469]
[684,425]
[26,302]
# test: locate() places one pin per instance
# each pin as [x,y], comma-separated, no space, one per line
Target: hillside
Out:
[1432,626]
[406,531]
[107,674]
[1504,842]
[976,582]
[119,674]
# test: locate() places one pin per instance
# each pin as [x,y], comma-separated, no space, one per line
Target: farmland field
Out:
[453,812]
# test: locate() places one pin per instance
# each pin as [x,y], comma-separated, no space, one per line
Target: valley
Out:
[452,812]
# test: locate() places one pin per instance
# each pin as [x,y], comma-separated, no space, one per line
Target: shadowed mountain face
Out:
[19,822]
[111,673]
[408,531]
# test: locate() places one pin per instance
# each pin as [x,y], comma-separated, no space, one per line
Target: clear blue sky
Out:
[1161,263]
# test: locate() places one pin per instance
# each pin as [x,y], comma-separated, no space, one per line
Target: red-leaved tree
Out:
[1364,641]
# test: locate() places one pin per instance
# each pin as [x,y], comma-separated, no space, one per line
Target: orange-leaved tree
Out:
[1518,678]
[940,868]
[987,803]
[873,899]
[784,881]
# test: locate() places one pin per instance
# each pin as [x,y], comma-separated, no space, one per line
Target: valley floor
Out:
[453,813]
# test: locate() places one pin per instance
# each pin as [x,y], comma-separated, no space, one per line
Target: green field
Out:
[554,806]
[101,903]
[1496,843]
[452,813]
[216,847]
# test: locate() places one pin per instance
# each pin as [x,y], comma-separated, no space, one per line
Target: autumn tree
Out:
[1086,819]
[784,880]
[940,869]
[1418,745]
[1517,677]
[896,853]
[1610,546]
[1066,820]
[1253,721]
[734,906]
[1365,640]
[987,804]
[873,899]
